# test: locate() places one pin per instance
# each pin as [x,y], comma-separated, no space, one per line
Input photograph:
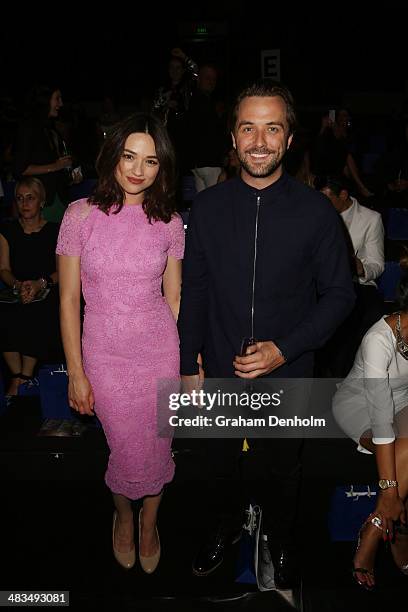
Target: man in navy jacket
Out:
[265,258]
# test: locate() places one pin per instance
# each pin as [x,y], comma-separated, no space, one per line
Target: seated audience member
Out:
[371,407]
[29,330]
[366,232]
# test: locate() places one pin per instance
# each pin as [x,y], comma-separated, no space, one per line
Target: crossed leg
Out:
[370,536]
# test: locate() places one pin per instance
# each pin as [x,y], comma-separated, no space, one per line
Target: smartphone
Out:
[332,115]
[77,175]
[246,342]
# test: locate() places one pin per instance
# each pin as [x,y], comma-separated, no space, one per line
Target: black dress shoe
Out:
[211,554]
[286,568]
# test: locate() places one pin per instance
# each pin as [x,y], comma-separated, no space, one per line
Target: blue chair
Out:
[368,162]
[397,224]
[388,281]
[81,190]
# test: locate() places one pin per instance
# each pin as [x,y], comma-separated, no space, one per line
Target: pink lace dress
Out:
[130,338]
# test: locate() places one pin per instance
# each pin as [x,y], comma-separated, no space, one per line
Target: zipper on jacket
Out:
[258,203]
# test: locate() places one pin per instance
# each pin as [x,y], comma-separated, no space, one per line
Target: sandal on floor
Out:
[377,522]
[29,386]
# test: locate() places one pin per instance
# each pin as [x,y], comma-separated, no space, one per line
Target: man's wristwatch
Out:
[387,484]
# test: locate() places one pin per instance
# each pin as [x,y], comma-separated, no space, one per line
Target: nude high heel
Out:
[125,559]
[148,564]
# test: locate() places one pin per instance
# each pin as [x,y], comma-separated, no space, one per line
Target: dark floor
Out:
[56,516]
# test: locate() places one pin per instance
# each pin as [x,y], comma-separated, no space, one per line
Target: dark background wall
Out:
[125,47]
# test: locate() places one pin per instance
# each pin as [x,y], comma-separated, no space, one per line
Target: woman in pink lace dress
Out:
[125,246]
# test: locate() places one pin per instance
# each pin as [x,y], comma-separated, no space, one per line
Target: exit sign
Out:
[200,30]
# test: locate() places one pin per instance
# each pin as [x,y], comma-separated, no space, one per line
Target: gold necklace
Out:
[402,345]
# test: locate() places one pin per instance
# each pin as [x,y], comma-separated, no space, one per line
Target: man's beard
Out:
[262,170]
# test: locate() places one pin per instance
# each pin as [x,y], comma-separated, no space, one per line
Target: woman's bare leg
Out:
[399,546]
[28,365]
[148,538]
[371,535]
[124,541]
[14,362]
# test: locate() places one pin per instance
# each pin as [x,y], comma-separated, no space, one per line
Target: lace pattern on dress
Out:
[70,234]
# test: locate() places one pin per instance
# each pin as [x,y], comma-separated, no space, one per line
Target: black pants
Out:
[32,329]
[269,473]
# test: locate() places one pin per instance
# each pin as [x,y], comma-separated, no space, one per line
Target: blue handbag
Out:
[54,392]
[350,506]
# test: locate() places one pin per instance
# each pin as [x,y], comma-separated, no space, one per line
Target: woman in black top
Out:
[41,152]
[29,330]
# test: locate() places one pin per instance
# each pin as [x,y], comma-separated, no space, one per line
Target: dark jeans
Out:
[269,474]
[273,469]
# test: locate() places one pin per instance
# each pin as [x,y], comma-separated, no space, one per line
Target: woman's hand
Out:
[29,290]
[80,394]
[63,162]
[391,508]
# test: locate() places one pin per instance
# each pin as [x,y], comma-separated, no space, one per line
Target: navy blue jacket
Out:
[303,288]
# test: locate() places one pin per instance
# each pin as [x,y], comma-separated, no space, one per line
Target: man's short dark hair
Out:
[336,184]
[265,88]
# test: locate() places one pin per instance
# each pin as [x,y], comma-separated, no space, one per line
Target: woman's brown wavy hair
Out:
[159,203]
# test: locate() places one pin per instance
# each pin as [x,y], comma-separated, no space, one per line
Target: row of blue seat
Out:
[397,224]
[388,281]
